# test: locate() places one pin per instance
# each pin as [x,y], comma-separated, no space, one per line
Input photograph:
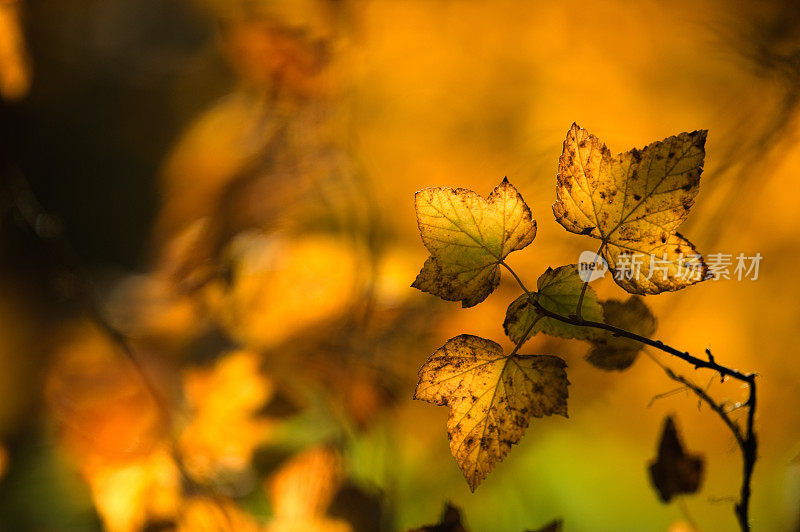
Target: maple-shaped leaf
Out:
[557,291]
[633,203]
[468,236]
[675,472]
[491,396]
[611,352]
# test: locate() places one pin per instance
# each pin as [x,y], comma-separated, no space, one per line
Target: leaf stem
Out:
[746,440]
[586,283]
[524,337]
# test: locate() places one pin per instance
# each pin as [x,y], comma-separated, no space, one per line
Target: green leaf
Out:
[558,291]
[611,352]
[491,396]
[468,236]
[634,202]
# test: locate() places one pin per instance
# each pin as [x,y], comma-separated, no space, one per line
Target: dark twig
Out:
[746,440]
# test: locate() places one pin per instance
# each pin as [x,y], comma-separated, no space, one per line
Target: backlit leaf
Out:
[468,236]
[491,397]
[674,472]
[558,291]
[612,352]
[217,514]
[302,490]
[633,203]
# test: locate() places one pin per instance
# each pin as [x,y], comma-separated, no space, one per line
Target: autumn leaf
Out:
[610,352]
[302,490]
[633,203]
[224,429]
[674,472]
[468,237]
[128,494]
[217,514]
[558,291]
[450,522]
[491,397]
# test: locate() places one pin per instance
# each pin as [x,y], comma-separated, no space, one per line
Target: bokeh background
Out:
[207,239]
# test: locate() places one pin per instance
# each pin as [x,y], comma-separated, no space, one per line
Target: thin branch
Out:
[32,214]
[665,395]
[746,440]
[703,395]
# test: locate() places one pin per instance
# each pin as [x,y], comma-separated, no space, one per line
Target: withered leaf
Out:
[450,522]
[610,352]
[491,396]
[633,203]
[558,291]
[468,236]
[675,472]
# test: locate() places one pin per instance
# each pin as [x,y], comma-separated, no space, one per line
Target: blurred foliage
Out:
[206,321]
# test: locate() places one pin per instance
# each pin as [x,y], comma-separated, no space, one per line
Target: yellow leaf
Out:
[218,514]
[468,236]
[225,429]
[302,490]
[128,495]
[491,397]
[612,352]
[281,285]
[633,203]
[558,291]
[101,406]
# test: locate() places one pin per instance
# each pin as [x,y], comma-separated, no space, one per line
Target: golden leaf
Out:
[468,236]
[633,203]
[558,291]
[218,514]
[303,489]
[102,408]
[224,400]
[280,286]
[127,495]
[491,397]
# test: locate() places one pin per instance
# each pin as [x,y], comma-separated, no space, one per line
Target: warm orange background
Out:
[431,93]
